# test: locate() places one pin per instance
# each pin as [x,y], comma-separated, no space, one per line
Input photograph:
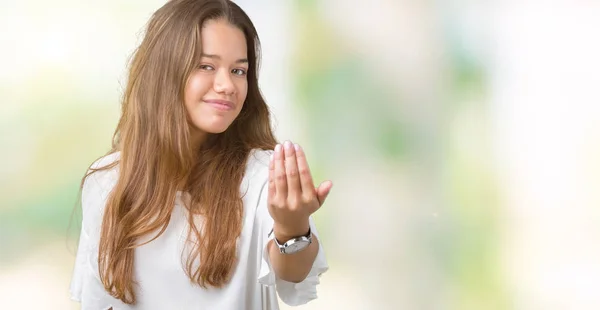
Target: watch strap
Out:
[283,246]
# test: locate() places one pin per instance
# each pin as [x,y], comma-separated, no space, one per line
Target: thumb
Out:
[323,190]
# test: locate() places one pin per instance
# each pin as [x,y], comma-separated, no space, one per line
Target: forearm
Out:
[293,267]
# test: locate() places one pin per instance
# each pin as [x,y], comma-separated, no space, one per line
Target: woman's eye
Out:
[238,71]
[206,67]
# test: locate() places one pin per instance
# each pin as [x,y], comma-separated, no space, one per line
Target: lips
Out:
[219,104]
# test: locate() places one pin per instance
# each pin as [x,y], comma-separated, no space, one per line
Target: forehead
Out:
[221,38]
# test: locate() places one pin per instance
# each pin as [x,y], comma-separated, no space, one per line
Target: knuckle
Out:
[307,198]
[293,172]
[293,203]
[280,177]
[304,172]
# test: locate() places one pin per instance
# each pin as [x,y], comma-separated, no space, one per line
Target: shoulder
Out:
[258,161]
[106,160]
[102,176]
[257,169]
[99,182]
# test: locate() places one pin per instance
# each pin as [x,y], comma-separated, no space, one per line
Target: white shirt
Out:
[159,265]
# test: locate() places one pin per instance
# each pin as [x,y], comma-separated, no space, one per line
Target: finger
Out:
[306,180]
[291,170]
[280,178]
[323,191]
[272,189]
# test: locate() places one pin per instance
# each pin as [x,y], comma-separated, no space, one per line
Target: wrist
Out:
[283,233]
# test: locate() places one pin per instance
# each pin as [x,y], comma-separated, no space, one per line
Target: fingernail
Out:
[278,148]
[287,145]
[296,147]
[271,157]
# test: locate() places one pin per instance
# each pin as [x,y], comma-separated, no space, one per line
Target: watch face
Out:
[296,246]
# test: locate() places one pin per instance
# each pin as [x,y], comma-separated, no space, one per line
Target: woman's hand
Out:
[292,193]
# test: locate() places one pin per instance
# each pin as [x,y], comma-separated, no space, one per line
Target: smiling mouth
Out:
[223,105]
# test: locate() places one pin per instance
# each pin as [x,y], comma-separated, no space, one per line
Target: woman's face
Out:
[215,91]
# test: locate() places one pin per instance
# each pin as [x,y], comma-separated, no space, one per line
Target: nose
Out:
[223,83]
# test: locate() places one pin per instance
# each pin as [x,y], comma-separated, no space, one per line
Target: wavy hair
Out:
[157,160]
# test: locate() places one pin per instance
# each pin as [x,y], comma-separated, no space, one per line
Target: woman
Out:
[197,206]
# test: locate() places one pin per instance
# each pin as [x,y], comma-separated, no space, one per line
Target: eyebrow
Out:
[242,60]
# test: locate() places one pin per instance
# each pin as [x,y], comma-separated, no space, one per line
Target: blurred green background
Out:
[463,139]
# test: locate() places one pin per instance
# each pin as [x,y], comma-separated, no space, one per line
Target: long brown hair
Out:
[156,157]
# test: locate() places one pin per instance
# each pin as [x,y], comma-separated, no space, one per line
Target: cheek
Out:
[242,92]
[196,87]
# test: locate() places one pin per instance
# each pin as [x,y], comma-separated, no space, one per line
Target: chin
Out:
[215,128]
[219,130]
[212,125]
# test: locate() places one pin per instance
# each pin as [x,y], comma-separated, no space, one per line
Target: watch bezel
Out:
[307,239]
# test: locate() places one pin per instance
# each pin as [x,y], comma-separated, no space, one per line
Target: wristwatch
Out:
[293,245]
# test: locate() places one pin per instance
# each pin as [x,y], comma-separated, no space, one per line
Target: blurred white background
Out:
[463,139]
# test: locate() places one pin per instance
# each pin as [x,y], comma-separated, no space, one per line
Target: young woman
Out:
[196,206]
